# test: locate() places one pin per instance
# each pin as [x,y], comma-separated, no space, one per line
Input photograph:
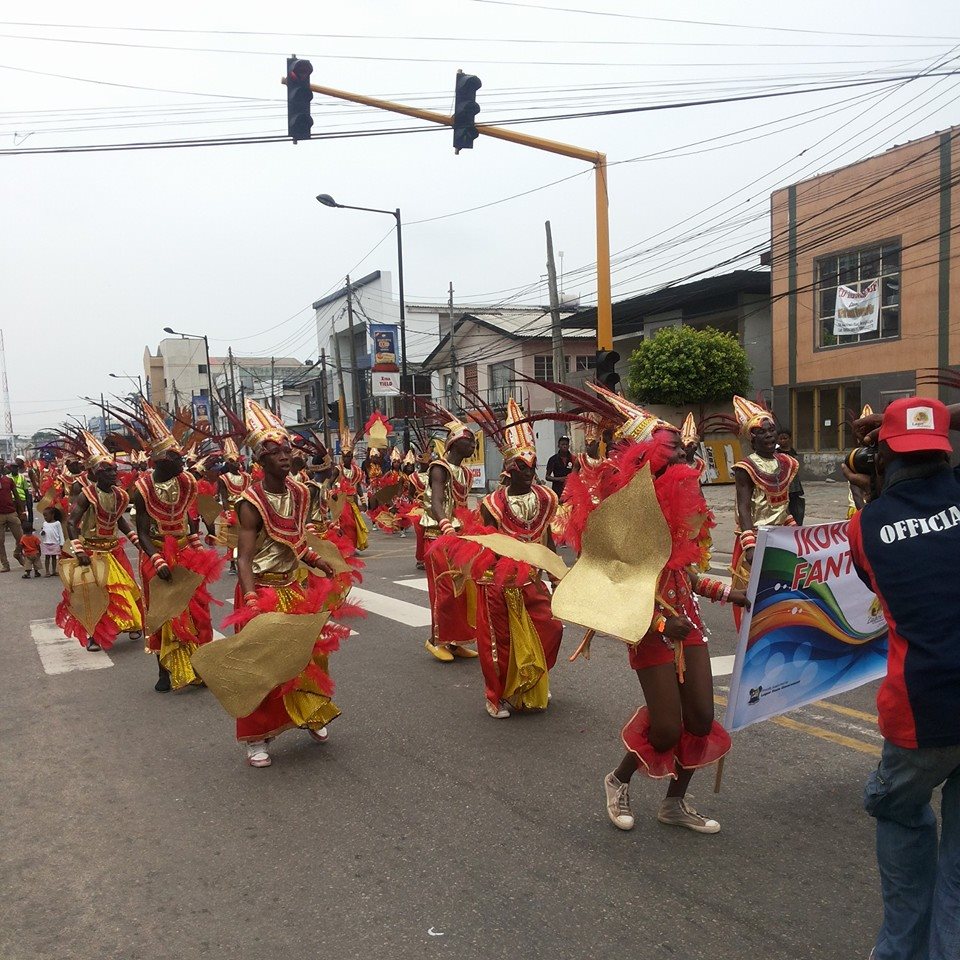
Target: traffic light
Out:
[465,111]
[607,375]
[333,411]
[299,96]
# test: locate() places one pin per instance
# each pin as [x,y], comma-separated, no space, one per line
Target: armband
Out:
[133,538]
[159,563]
[250,599]
[78,548]
[748,540]
[446,527]
[193,540]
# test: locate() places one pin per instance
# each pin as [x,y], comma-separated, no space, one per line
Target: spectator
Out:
[559,466]
[51,540]
[20,478]
[797,503]
[11,518]
[30,552]
[905,545]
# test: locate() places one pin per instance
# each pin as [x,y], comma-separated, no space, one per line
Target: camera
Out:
[862,460]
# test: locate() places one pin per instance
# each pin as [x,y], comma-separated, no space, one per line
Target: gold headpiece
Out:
[518,439]
[395,457]
[688,432]
[593,429]
[456,428]
[409,458]
[638,424]
[867,410]
[230,450]
[263,426]
[346,440]
[99,455]
[161,439]
[750,415]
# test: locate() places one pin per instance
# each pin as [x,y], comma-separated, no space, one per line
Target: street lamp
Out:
[126,376]
[206,346]
[328,201]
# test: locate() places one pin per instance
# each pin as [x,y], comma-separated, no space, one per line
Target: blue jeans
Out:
[920,885]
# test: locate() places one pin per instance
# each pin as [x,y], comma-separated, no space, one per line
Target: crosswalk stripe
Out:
[722,666]
[60,654]
[420,583]
[409,614]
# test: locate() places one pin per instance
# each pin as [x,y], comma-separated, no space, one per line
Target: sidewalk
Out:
[826,502]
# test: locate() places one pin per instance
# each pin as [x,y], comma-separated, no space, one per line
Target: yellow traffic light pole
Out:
[599,161]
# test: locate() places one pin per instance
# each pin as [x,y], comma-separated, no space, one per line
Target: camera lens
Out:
[862,460]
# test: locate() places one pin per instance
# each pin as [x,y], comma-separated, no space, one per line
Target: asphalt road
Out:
[133,829]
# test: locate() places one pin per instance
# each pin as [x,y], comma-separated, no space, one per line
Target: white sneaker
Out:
[321,736]
[257,755]
[497,712]
[618,802]
[676,812]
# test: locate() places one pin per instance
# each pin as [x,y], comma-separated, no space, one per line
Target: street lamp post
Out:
[126,376]
[328,201]
[212,400]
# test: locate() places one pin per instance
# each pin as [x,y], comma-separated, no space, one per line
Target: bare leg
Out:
[696,697]
[662,696]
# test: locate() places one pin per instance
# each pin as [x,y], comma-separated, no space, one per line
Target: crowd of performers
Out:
[293,524]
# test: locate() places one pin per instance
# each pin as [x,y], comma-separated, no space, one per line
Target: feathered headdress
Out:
[636,424]
[97,453]
[688,432]
[263,426]
[519,442]
[410,458]
[455,427]
[750,414]
[395,458]
[376,430]
[230,449]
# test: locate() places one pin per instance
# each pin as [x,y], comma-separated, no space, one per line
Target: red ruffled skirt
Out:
[690,753]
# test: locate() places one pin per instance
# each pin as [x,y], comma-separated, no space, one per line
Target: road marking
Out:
[419,584]
[846,711]
[822,733]
[722,666]
[410,614]
[61,654]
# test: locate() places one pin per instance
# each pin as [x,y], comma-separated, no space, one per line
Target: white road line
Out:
[419,584]
[60,654]
[722,666]
[410,614]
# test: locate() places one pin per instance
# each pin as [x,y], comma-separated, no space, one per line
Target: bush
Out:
[681,366]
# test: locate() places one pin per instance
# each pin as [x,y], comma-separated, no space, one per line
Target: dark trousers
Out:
[797,507]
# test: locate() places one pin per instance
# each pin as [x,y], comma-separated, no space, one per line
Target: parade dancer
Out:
[762,481]
[162,499]
[518,637]
[675,733]
[95,525]
[349,483]
[452,595]
[273,515]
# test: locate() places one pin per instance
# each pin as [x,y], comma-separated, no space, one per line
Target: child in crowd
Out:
[51,540]
[30,551]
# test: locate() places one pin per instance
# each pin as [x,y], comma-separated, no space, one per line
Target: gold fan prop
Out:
[169,598]
[329,553]
[536,554]
[613,585]
[209,508]
[336,503]
[271,649]
[87,595]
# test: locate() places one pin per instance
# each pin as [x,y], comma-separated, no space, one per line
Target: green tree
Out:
[681,366]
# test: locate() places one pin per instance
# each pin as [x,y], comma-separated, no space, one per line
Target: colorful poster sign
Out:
[201,408]
[384,337]
[856,311]
[384,384]
[477,465]
[814,629]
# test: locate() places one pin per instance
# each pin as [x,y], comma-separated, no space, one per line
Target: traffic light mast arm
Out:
[599,161]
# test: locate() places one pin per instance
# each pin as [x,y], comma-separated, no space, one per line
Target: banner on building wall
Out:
[857,311]
[384,337]
[384,384]
[201,408]
[814,629]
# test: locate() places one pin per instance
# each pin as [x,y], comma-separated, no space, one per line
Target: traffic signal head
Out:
[465,111]
[299,96]
[607,375]
[333,411]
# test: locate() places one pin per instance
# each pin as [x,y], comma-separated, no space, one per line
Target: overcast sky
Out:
[100,251]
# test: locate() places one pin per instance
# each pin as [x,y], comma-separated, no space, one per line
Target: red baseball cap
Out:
[915,424]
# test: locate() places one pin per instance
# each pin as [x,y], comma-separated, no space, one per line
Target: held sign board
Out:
[813,631]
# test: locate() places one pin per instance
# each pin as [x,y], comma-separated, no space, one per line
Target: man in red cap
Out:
[905,544]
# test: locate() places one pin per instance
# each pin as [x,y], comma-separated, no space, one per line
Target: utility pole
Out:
[273,388]
[558,370]
[176,398]
[323,398]
[354,378]
[233,382]
[103,413]
[453,346]
[343,395]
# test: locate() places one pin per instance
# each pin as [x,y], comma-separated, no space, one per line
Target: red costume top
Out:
[169,516]
[528,529]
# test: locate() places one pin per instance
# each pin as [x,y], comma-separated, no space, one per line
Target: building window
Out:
[588,362]
[471,379]
[543,366]
[857,269]
[822,416]
[201,368]
[500,378]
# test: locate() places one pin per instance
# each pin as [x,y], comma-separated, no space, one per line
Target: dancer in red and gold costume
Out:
[94,526]
[675,733]
[518,637]
[349,482]
[163,498]
[273,514]
[762,482]
[452,594]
